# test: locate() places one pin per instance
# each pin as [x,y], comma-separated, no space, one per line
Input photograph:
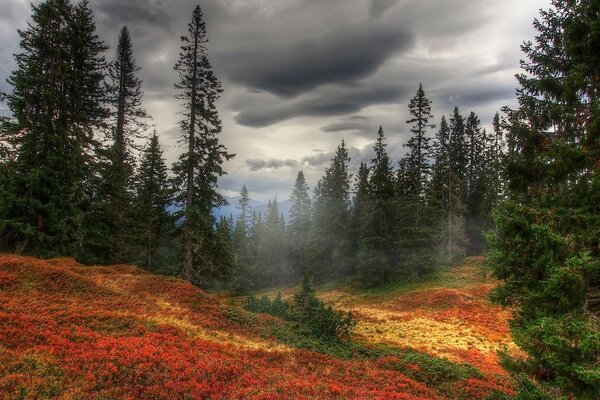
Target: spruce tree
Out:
[546,248]
[475,182]
[256,234]
[240,242]
[127,124]
[419,144]
[377,251]
[330,253]
[360,212]
[417,231]
[56,102]
[153,195]
[202,163]
[299,226]
[444,193]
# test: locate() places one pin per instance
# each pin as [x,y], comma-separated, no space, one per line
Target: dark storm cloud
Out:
[338,101]
[257,164]
[115,13]
[345,55]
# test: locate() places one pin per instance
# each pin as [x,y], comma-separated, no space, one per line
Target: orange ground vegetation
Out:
[75,332]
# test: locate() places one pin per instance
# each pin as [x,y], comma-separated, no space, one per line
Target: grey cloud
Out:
[257,164]
[328,103]
[356,124]
[345,55]
[378,7]
[479,96]
[117,12]
[321,159]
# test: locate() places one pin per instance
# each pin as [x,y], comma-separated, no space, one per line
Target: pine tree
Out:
[127,124]
[299,226]
[475,181]
[201,164]
[444,194]
[377,250]
[361,209]
[458,152]
[546,248]
[153,222]
[494,173]
[419,144]
[57,106]
[240,243]
[275,244]
[255,240]
[330,239]
[416,233]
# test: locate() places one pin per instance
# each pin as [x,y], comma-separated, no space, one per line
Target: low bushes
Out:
[319,319]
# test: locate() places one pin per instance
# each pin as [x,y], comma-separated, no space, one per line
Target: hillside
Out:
[74,332]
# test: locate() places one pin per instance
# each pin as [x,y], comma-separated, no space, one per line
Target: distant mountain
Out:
[255,205]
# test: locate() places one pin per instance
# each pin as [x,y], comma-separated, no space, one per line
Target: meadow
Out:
[69,331]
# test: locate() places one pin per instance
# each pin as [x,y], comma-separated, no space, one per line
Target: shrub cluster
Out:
[276,307]
[306,309]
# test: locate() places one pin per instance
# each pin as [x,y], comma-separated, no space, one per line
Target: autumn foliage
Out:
[72,332]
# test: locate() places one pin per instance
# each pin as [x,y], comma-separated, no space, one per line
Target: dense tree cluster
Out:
[76,178]
[384,222]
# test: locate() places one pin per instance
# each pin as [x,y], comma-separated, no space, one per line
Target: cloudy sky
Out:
[301,75]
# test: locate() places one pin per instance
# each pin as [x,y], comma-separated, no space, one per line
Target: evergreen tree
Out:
[127,120]
[475,181]
[444,194]
[494,173]
[419,146]
[255,242]
[56,103]
[201,164]
[417,231]
[240,242]
[546,248]
[377,247]
[330,240]
[299,226]
[361,209]
[458,152]
[153,222]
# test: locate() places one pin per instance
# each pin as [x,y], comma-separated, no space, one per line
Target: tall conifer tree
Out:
[127,124]
[417,229]
[201,164]
[330,239]
[378,243]
[241,242]
[299,226]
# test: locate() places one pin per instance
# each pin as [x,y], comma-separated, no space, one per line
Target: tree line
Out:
[429,209]
[74,178]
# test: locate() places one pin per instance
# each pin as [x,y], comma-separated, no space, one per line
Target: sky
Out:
[301,75]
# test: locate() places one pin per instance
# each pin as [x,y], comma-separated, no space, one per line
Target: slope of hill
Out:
[73,332]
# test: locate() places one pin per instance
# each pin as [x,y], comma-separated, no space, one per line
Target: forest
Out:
[83,177]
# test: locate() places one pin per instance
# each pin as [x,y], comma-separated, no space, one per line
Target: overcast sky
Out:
[301,75]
